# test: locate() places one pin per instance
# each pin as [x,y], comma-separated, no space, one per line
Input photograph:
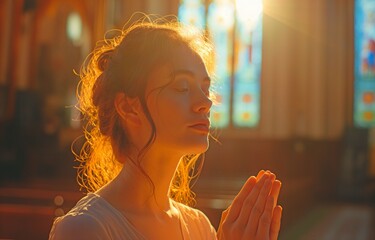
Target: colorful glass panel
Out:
[220,25]
[192,12]
[248,62]
[364,69]
[226,20]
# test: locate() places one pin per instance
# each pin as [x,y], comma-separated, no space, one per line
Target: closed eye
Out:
[182,79]
[181,85]
[181,89]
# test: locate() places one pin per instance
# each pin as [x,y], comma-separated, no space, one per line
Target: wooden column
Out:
[5,28]
[14,53]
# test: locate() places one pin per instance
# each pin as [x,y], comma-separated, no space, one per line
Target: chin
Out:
[191,144]
[199,148]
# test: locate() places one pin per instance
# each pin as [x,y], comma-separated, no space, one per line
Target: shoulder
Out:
[76,227]
[81,222]
[191,212]
[196,221]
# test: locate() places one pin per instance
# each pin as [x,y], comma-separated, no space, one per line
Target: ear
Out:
[128,109]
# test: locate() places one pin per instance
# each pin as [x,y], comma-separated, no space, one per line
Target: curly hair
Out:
[122,64]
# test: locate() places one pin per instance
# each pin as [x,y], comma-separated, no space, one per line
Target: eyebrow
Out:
[189,73]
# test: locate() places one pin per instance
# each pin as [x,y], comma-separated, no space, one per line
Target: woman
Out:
[146,98]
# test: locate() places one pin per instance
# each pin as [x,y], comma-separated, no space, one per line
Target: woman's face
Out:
[177,96]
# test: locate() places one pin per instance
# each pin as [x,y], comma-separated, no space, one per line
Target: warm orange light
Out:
[216,116]
[246,98]
[368,116]
[218,99]
[368,97]
[246,116]
[248,11]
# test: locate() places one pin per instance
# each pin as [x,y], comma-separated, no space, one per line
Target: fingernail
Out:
[273,176]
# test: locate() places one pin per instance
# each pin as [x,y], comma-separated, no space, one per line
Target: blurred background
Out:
[295,83]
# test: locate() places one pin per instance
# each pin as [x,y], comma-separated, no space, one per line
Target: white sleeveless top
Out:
[95,218]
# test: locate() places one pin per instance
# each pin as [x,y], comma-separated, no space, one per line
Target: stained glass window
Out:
[364,69]
[192,12]
[247,68]
[235,28]
[220,26]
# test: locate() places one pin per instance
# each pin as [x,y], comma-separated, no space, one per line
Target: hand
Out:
[253,213]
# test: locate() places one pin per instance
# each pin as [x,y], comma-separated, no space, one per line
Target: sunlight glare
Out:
[74,27]
[248,11]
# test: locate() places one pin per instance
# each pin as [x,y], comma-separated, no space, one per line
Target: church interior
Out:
[309,118]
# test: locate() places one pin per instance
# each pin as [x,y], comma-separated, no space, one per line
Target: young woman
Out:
[146,98]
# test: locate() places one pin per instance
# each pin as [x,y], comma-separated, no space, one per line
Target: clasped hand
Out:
[253,213]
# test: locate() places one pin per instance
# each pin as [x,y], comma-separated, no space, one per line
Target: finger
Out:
[276,222]
[275,191]
[263,231]
[260,174]
[259,206]
[250,201]
[224,215]
[236,206]
[273,177]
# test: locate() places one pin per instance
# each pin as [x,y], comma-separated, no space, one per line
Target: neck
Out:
[134,191]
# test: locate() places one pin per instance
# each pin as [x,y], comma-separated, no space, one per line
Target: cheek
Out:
[169,111]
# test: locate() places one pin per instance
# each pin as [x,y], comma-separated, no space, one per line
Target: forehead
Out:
[182,60]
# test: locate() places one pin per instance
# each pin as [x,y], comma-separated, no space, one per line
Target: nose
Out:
[203,104]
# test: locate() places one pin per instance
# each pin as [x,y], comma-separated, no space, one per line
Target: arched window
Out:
[235,28]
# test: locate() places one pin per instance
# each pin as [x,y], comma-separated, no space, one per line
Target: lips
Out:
[202,126]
